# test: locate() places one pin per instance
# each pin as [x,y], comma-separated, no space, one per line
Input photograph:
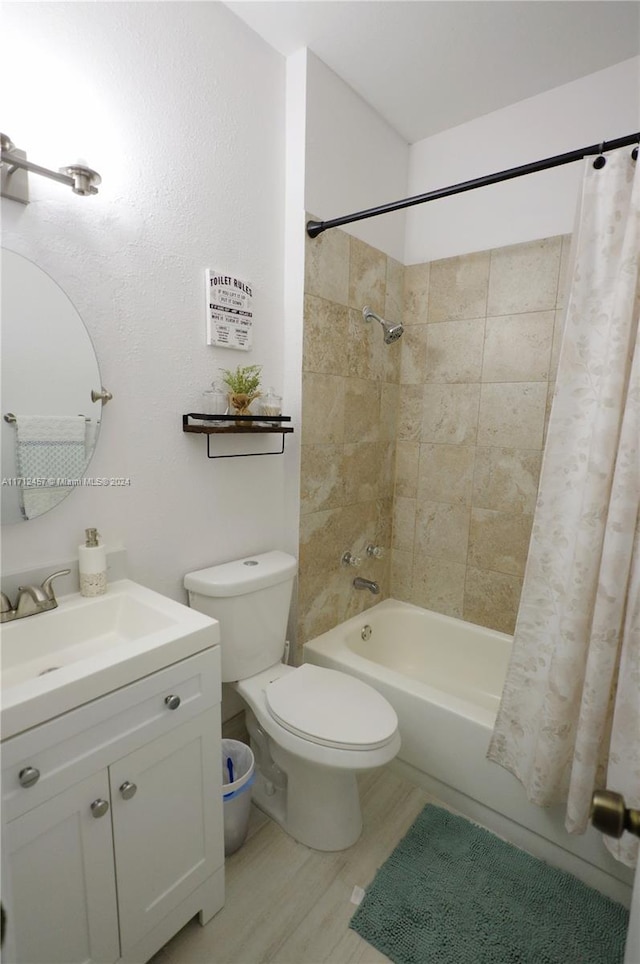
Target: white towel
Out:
[48,447]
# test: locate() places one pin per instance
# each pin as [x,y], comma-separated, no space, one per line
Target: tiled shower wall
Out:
[478,367]
[459,404]
[349,416]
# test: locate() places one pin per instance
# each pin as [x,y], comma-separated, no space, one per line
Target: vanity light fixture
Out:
[82,180]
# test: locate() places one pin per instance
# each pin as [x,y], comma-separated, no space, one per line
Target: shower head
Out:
[391,332]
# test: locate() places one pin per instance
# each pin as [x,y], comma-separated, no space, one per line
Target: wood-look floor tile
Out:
[287,904]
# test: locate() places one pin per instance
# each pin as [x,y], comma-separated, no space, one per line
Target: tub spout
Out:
[360,583]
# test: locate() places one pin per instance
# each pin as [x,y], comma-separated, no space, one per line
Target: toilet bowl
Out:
[311,729]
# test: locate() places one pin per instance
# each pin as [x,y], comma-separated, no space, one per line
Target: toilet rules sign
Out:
[229,311]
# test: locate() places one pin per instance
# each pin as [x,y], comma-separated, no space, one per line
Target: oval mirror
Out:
[49,425]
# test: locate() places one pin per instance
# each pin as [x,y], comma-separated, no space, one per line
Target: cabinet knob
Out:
[28,776]
[173,702]
[99,808]
[128,790]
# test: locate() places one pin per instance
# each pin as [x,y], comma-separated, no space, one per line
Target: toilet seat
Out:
[331,708]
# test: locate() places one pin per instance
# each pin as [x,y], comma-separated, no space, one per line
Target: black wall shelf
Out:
[237,425]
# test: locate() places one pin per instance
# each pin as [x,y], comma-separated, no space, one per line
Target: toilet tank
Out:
[250,598]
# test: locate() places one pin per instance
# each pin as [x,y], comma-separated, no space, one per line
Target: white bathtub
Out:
[444,678]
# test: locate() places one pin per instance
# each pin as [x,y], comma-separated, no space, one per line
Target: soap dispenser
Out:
[92,563]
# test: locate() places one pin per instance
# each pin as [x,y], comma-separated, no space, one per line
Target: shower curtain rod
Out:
[314,228]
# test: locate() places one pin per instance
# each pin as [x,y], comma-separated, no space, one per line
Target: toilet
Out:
[311,729]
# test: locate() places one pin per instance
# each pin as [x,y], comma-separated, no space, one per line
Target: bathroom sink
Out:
[57,660]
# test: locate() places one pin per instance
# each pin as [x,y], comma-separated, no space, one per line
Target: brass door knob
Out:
[610,816]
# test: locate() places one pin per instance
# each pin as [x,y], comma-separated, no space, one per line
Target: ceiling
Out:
[427,65]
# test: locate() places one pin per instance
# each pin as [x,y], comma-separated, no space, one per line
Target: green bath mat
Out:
[453,893]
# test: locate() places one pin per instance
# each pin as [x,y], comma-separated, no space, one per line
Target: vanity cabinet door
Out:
[167,822]
[58,886]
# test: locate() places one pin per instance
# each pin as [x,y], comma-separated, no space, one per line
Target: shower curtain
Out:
[569,720]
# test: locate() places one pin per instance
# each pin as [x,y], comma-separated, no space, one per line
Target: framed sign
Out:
[229,311]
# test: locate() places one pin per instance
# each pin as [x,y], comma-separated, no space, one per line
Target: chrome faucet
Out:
[31,599]
[360,583]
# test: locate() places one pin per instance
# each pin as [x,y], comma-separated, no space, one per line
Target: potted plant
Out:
[243,384]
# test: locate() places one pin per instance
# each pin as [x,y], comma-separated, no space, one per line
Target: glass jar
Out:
[215,401]
[270,403]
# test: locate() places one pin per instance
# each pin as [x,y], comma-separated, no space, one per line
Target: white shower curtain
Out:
[569,720]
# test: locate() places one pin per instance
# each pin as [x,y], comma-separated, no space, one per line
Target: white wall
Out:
[599,107]
[354,160]
[181,109]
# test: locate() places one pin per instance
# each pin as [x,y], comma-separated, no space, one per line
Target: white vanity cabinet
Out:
[112,821]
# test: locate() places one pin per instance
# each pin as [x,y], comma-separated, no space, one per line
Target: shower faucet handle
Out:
[348,559]
[375,552]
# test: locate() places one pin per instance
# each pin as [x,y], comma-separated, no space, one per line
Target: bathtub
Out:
[444,678]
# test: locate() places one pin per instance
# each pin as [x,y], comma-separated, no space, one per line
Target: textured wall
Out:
[349,411]
[478,364]
[180,107]
[601,106]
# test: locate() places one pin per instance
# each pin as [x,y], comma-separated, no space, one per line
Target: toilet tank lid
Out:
[242,575]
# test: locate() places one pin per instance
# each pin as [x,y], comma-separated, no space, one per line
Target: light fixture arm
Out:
[82,180]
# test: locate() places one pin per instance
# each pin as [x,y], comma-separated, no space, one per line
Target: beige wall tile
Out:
[512,414]
[321,477]
[327,266]
[382,533]
[322,602]
[450,413]
[442,531]
[323,408]
[361,410]
[362,471]
[499,541]
[458,287]
[445,473]
[416,293]
[386,469]
[410,409]
[524,277]
[321,541]
[517,348]
[389,405]
[361,599]
[391,359]
[413,355]
[407,461]
[326,327]
[401,573]
[422,435]
[491,599]
[394,294]
[404,523]
[454,351]
[367,276]
[506,479]
[363,356]
[439,586]
[365,522]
